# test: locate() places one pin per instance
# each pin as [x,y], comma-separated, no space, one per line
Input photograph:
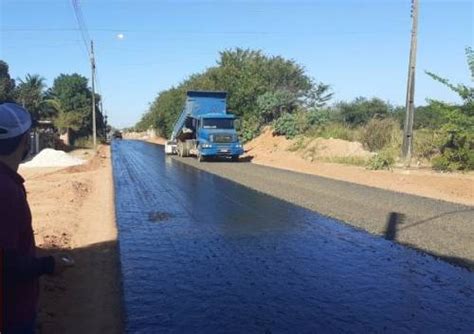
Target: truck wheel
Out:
[235,158]
[201,158]
[180,149]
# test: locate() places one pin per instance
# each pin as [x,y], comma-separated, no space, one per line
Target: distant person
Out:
[21,267]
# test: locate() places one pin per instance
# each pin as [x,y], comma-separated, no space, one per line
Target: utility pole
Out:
[94,125]
[410,106]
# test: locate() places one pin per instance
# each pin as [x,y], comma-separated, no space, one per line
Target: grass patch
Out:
[379,134]
[335,130]
[84,142]
[354,161]
[299,144]
[382,160]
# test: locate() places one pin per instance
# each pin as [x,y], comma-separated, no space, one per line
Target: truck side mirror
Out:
[189,123]
[237,124]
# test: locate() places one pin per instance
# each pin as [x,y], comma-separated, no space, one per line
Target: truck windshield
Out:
[218,123]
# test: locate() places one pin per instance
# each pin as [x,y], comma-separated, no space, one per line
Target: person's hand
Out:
[62,262]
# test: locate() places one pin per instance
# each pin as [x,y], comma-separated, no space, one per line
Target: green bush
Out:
[380,133]
[317,118]
[457,148]
[382,160]
[291,125]
[426,143]
[454,159]
[250,129]
[361,110]
[456,144]
[287,125]
[84,142]
[432,116]
[273,104]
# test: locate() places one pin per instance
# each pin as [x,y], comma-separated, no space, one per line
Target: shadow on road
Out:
[247,158]
[444,214]
[394,219]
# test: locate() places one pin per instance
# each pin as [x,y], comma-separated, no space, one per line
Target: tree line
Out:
[67,103]
[274,91]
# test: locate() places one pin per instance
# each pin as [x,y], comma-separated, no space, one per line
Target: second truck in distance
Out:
[205,129]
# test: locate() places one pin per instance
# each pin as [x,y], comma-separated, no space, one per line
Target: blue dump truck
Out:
[205,129]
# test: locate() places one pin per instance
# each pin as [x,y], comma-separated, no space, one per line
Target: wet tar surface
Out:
[201,254]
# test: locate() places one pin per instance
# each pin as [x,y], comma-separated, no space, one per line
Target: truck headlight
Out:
[206,145]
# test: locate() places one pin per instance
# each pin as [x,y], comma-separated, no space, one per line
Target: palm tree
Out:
[30,93]
[66,121]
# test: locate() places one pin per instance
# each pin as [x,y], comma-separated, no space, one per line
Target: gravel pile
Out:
[52,158]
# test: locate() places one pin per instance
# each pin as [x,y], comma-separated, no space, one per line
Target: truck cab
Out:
[217,136]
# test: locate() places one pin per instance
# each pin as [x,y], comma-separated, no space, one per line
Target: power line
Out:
[82,25]
[90,52]
[210,32]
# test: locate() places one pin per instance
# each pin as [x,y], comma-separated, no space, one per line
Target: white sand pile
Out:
[52,158]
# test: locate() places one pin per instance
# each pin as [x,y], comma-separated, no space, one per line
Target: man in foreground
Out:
[21,267]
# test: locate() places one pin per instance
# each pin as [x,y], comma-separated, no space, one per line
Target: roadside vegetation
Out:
[273,91]
[67,103]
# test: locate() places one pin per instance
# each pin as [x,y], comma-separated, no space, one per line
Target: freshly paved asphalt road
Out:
[437,227]
[202,254]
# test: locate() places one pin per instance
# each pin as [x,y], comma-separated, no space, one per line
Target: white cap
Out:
[14,120]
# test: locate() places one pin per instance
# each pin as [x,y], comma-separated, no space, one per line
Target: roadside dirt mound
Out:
[321,147]
[268,143]
[307,148]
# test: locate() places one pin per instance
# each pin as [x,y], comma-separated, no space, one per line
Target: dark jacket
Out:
[21,266]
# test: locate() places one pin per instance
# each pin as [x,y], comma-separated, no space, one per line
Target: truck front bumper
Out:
[222,150]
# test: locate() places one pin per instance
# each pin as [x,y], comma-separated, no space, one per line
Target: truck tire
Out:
[235,158]
[189,146]
[185,153]
[180,149]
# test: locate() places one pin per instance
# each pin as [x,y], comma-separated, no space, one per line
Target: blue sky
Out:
[359,47]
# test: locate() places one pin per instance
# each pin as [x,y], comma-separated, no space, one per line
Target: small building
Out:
[44,135]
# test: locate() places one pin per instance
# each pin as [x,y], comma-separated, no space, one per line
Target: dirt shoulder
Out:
[73,212]
[275,151]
